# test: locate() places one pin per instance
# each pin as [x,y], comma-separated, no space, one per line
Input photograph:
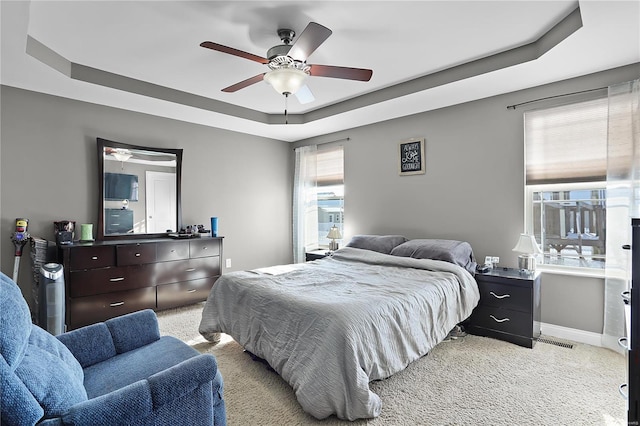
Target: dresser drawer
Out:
[135,254]
[204,247]
[92,309]
[106,280]
[505,296]
[503,320]
[175,250]
[184,293]
[186,270]
[91,257]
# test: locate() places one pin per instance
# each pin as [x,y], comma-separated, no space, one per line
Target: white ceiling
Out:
[404,43]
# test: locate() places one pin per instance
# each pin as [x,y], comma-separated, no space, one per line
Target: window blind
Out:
[567,143]
[330,166]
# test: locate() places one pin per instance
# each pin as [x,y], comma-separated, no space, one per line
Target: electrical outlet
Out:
[228,263]
[495,260]
[487,260]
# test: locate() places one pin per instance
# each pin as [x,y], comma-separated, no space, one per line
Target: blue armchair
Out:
[117,372]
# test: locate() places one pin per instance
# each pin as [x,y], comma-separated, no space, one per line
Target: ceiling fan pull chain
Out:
[286,115]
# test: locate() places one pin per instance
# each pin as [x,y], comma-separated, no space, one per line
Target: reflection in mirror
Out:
[140,190]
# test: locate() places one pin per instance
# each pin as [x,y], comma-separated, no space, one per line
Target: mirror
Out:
[139,190]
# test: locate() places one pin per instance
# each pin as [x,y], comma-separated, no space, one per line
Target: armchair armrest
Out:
[182,378]
[142,398]
[124,406]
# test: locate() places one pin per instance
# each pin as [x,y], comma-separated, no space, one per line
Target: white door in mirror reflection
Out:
[161,202]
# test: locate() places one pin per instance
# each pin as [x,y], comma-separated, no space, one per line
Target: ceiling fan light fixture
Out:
[121,155]
[286,80]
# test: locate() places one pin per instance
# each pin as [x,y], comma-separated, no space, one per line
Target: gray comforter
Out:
[331,326]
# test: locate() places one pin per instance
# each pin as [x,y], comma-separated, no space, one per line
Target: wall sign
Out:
[411,160]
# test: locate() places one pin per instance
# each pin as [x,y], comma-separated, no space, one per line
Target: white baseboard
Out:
[573,334]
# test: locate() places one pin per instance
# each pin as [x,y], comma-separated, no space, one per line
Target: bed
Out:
[331,326]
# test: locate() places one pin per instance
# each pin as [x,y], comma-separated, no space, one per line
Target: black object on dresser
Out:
[109,278]
[632,310]
[509,307]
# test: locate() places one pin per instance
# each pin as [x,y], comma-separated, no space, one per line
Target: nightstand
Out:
[509,307]
[315,255]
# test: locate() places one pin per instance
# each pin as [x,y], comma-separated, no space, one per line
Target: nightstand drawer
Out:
[505,296]
[503,320]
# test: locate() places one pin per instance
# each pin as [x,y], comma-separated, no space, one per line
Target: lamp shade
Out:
[334,233]
[286,80]
[527,244]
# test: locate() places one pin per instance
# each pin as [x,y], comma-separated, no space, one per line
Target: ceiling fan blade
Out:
[304,95]
[310,39]
[230,50]
[248,82]
[360,74]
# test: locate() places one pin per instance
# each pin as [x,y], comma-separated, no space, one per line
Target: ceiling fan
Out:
[288,68]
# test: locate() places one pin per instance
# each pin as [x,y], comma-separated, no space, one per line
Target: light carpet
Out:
[469,381]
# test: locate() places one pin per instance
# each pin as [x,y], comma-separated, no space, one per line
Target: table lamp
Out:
[528,246]
[334,234]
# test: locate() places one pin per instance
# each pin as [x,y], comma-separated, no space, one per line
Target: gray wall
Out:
[48,172]
[473,189]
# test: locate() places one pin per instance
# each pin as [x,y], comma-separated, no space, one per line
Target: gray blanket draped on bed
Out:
[331,326]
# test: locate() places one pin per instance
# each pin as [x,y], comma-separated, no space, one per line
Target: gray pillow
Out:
[452,251]
[380,243]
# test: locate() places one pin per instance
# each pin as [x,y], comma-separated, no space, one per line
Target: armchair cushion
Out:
[133,330]
[52,375]
[90,345]
[138,364]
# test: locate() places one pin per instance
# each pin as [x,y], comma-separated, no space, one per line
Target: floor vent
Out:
[554,342]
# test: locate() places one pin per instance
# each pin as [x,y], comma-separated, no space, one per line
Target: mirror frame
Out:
[102,143]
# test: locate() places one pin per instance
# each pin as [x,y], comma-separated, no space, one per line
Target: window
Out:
[566,168]
[330,191]
[318,197]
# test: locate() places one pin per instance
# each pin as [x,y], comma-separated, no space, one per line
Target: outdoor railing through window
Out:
[570,226]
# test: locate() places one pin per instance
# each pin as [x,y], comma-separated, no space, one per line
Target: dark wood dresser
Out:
[109,278]
[509,307]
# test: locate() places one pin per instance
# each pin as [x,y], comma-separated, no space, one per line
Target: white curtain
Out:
[305,202]
[623,197]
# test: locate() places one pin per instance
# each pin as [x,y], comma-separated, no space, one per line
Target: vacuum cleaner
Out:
[19,238]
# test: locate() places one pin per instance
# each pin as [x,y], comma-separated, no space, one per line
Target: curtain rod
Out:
[337,140]
[514,106]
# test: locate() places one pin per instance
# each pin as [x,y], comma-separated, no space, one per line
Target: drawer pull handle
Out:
[193,290]
[626,297]
[621,389]
[499,297]
[113,280]
[190,270]
[623,343]
[137,254]
[115,304]
[499,320]
[94,257]
[204,248]
[115,224]
[173,251]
